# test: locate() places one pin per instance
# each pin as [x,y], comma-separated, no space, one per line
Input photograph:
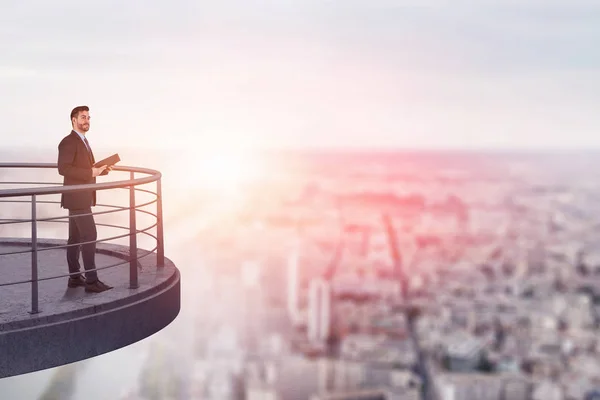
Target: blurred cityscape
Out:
[397,276]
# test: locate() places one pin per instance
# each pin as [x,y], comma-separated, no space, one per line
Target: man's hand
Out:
[107,170]
[97,171]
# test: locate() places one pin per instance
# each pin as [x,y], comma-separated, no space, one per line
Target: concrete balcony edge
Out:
[47,341]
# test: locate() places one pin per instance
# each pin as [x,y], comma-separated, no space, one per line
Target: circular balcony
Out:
[44,323]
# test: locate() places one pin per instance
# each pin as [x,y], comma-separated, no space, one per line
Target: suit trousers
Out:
[82,229]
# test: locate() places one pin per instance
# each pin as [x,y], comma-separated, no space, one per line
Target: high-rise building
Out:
[319,310]
[252,319]
[293,284]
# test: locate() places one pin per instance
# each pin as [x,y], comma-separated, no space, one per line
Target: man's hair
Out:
[77,110]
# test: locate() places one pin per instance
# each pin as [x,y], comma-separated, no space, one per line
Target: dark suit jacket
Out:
[75,164]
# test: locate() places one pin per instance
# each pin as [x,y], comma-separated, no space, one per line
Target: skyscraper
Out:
[252,304]
[293,283]
[319,311]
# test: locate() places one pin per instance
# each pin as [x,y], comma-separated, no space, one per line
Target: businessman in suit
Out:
[76,165]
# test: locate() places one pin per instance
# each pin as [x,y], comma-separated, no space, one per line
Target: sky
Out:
[302,73]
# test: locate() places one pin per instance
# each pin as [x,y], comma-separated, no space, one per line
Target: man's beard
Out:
[84,128]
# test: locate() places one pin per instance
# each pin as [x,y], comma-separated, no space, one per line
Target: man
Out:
[76,164]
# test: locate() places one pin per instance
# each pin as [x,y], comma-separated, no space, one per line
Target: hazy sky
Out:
[302,73]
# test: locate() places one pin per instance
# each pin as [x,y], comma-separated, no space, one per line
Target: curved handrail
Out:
[154,176]
[48,219]
[57,188]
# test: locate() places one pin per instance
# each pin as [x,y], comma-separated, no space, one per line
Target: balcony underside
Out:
[73,325]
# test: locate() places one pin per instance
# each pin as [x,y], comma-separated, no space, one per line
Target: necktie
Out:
[89,149]
[87,144]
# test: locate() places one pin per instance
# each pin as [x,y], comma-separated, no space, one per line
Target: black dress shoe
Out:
[96,287]
[76,281]
[104,285]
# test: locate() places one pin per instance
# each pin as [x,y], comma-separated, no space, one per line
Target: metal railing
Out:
[8,195]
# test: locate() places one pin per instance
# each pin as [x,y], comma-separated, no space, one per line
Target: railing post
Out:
[160,244]
[34,258]
[133,275]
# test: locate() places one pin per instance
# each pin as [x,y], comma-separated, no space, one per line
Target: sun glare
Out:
[224,171]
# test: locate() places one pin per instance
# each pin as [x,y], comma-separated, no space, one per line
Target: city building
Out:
[319,315]
[293,285]
[464,354]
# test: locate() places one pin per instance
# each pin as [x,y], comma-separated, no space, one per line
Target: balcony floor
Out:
[123,311]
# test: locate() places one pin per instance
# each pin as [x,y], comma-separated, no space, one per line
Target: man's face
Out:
[82,121]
